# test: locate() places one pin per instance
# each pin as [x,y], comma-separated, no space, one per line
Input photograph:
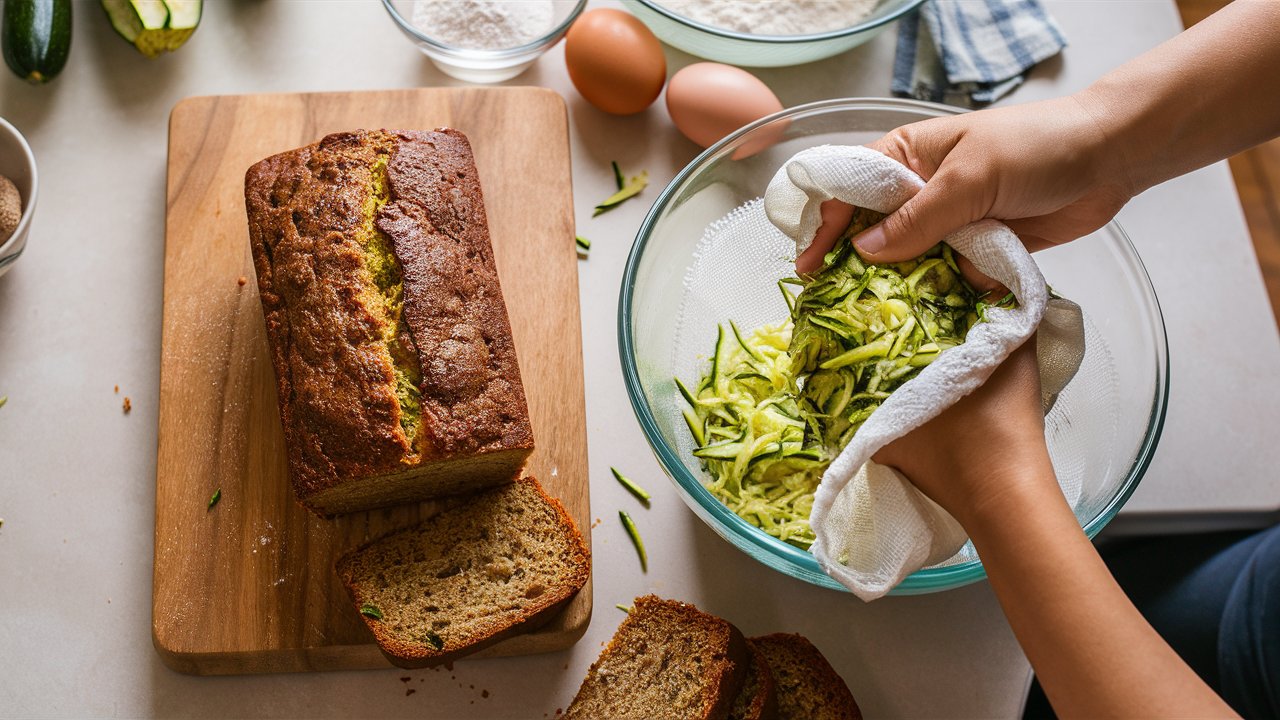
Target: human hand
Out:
[1043,168]
[986,448]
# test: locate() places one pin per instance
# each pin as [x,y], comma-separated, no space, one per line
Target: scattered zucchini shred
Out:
[779,403]
[213,499]
[617,175]
[626,190]
[641,494]
[584,245]
[634,534]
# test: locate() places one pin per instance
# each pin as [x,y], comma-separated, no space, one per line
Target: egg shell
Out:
[707,101]
[615,61]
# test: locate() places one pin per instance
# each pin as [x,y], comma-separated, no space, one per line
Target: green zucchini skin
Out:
[36,38]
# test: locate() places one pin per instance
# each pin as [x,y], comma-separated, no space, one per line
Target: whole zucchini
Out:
[36,38]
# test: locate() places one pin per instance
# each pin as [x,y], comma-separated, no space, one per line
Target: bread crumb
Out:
[484,693]
[241,281]
[117,389]
[128,404]
[409,691]
[405,679]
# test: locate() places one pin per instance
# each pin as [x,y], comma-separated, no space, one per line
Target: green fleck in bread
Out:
[501,562]
[667,660]
[396,373]
[758,699]
[808,688]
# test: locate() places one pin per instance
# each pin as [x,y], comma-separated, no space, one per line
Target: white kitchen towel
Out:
[873,527]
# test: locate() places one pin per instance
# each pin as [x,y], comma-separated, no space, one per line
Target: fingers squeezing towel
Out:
[872,527]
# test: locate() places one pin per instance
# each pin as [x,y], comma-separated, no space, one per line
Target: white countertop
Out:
[80,314]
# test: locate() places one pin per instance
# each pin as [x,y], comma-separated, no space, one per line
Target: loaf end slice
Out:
[667,660]
[807,686]
[758,698]
[501,563]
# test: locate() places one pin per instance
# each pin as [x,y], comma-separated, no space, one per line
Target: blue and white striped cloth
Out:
[971,52]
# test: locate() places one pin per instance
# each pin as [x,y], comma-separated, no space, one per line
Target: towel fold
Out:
[970,53]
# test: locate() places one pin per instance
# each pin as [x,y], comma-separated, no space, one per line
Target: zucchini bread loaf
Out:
[395,368]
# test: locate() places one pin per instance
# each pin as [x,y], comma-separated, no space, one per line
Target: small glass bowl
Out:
[483,66]
[1104,427]
[738,48]
[19,165]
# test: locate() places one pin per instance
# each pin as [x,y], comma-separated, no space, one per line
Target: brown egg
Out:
[708,101]
[614,61]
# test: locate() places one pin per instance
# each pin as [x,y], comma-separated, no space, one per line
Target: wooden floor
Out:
[1257,174]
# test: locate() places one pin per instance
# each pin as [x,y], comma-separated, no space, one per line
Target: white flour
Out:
[775,17]
[483,25]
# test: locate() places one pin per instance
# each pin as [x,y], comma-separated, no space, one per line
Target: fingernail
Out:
[871,241]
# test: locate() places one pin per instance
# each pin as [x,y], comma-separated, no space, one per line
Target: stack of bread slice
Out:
[670,660]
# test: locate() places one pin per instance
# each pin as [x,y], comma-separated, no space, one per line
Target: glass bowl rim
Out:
[778,39]
[29,203]
[926,579]
[537,45]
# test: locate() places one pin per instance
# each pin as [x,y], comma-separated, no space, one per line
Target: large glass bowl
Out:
[737,48]
[1102,432]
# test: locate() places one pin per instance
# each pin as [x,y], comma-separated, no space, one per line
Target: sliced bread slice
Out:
[758,698]
[501,562]
[808,687]
[667,660]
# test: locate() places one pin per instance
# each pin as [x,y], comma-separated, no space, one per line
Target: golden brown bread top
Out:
[472,395]
[336,331]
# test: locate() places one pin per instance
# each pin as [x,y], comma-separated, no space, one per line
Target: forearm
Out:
[1094,653]
[1203,96]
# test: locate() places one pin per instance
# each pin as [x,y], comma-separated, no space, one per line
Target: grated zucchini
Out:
[779,403]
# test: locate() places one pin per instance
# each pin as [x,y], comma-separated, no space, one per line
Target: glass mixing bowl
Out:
[1101,433]
[479,65]
[737,48]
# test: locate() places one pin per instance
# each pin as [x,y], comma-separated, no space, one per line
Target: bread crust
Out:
[308,213]
[763,705]
[824,686]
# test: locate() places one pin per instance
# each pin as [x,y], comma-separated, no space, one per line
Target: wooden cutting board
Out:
[248,585]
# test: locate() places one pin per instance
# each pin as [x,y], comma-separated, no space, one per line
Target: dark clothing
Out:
[1216,599]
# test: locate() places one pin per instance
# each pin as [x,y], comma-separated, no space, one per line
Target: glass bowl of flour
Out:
[483,41]
[767,34]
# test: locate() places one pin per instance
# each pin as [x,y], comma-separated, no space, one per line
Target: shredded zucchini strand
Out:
[780,402]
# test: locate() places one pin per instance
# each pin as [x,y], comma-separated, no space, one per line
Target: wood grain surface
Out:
[248,585]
